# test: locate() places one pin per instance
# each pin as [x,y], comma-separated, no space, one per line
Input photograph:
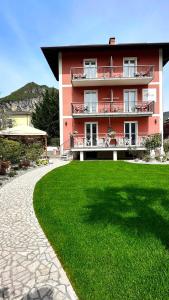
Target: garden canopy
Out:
[22,131]
[26,134]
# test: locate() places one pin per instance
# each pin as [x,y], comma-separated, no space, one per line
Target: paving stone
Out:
[34,266]
[28,264]
[54,276]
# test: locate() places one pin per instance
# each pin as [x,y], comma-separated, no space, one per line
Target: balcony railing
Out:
[120,140]
[112,72]
[113,108]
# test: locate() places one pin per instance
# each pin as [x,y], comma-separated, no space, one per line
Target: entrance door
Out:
[91,134]
[130,132]
[129,67]
[90,68]
[91,101]
[129,100]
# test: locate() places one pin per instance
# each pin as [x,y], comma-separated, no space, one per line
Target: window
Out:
[129,67]
[130,133]
[149,94]
[91,100]
[91,130]
[90,68]
[130,100]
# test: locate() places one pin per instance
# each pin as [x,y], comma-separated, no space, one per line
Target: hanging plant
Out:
[75,132]
[111,132]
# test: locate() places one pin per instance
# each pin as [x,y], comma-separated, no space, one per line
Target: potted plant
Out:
[75,132]
[111,133]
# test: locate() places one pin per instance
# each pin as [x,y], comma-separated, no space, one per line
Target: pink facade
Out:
[104,88]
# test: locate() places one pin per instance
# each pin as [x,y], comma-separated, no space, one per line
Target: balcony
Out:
[112,108]
[102,142]
[112,75]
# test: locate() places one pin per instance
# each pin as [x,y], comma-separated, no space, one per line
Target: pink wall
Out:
[147,125]
[75,59]
[71,95]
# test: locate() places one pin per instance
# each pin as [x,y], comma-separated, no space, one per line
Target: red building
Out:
[110,96]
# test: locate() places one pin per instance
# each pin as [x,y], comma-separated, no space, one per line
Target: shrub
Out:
[153,141]
[12,174]
[54,142]
[24,163]
[15,168]
[147,158]
[4,166]
[166,145]
[33,151]
[42,162]
[10,150]
[158,158]
[164,158]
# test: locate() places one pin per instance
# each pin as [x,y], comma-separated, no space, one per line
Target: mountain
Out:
[165,116]
[24,99]
[28,91]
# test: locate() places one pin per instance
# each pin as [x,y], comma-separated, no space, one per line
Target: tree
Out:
[46,115]
[10,150]
[153,142]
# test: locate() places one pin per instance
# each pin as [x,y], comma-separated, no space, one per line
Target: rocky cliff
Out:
[23,99]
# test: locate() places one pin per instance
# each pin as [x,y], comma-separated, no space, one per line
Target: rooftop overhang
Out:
[51,53]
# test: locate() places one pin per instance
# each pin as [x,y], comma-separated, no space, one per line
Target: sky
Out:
[26,25]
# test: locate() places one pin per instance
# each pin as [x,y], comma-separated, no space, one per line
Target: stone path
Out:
[29,268]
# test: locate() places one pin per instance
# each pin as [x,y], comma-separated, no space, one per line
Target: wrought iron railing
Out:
[107,72]
[112,107]
[119,140]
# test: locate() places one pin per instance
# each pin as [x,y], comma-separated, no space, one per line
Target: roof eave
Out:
[52,52]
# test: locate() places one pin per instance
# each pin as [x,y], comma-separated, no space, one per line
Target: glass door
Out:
[91,101]
[129,67]
[129,100]
[130,132]
[90,68]
[91,134]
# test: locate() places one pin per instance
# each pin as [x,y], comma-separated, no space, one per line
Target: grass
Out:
[109,224]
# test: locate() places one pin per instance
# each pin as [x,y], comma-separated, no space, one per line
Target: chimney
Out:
[112,41]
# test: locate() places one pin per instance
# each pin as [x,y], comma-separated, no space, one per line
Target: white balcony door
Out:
[91,101]
[130,133]
[91,132]
[129,67]
[130,100]
[90,68]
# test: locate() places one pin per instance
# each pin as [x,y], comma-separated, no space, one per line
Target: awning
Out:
[22,131]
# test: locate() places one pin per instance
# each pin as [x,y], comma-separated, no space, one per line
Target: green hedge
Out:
[15,151]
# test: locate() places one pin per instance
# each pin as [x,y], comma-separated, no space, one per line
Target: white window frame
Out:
[128,90]
[96,130]
[130,58]
[86,91]
[86,59]
[136,122]
[147,90]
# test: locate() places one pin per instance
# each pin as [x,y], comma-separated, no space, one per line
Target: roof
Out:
[22,131]
[18,113]
[51,53]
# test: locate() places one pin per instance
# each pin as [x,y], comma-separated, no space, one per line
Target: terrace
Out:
[105,142]
[112,75]
[112,108]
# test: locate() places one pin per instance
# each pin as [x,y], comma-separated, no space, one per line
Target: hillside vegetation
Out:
[28,91]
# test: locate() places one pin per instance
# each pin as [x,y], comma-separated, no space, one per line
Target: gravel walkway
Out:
[29,268]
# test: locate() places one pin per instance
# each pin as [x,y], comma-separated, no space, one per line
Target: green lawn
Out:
[109,225]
